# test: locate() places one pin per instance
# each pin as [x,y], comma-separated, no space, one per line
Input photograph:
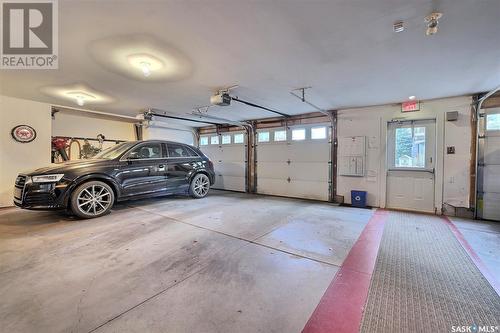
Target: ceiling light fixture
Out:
[411,98]
[81,97]
[146,63]
[432,21]
[145,67]
[80,100]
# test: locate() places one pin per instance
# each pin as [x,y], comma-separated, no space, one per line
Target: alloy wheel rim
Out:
[201,185]
[94,200]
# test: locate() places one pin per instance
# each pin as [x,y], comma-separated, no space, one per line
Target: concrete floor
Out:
[231,262]
[227,263]
[484,238]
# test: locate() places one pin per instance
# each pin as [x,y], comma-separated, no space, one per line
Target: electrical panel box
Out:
[352,156]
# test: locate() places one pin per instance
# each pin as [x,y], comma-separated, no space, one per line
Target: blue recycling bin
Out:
[358,198]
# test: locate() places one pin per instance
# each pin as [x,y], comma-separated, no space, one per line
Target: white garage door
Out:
[294,162]
[489,167]
[227,152]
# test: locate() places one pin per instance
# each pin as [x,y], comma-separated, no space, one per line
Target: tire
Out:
[200,184]
[92,199]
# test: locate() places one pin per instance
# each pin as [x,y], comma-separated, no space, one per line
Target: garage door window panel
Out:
[214,140]
[493,122]
[299,134]
[204,141]
[263,136]
[280,135]
[239,138]
[226,139]
[318,133]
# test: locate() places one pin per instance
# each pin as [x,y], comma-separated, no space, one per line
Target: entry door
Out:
[411,150]
[489,165]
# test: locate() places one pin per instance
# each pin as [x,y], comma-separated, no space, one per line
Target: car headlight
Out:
[47,178]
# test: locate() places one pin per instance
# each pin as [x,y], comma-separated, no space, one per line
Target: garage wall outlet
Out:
[450,150]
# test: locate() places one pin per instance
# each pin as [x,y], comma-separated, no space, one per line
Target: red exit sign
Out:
[410,106]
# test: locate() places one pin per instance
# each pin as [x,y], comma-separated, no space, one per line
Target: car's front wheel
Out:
[199,186]
[92,199]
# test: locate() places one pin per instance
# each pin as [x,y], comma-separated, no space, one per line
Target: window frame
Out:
[298,129]
[324,127]
[218,140]
[430,144]
[205,137]
[186,147]
[242,136]
[222,139]
[280,130]
[163,153]
[268,137]
[490,131]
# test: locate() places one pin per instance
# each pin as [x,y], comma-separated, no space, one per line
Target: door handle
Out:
[161,167]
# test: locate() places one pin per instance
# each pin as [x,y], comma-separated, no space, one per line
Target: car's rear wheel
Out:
[199,186]
[92,199]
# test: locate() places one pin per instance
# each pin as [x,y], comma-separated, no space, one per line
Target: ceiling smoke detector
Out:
[398,26]
[432,21]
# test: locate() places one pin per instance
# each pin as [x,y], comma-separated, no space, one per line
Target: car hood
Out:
[69,166]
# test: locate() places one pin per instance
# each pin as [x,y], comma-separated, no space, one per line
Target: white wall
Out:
[16,157]
[452,171]
[66,123]
[166,131]
[87,125]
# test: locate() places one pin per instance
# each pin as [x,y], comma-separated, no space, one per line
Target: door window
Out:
[410,147]
[145,151]
[176,150]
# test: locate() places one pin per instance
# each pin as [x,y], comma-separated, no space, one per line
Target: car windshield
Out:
[115,151]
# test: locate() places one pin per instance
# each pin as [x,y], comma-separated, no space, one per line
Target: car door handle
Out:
[161,167]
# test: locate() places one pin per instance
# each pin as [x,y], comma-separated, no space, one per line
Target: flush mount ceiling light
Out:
[145,63]
[80,94]
[141,57]
[432,21]
[411,98]
[80,97]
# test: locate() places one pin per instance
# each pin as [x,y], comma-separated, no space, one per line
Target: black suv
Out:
[89,188]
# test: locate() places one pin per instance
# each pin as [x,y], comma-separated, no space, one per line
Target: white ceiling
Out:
[345,49]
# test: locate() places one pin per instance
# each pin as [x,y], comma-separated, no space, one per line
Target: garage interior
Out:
[356,149]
